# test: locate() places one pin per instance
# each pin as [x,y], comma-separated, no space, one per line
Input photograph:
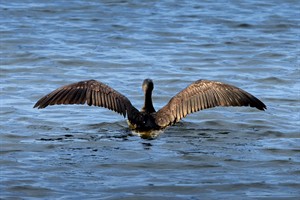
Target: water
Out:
[81,152]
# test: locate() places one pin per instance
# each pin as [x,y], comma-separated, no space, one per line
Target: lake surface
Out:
[81,152]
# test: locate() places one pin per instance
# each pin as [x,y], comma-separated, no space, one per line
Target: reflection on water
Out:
[86,152]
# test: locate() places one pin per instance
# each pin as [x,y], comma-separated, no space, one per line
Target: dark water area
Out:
[81,152]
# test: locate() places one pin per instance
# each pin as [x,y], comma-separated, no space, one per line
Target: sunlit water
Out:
[81,152]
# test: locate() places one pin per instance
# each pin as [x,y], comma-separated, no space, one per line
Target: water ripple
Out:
[85,152]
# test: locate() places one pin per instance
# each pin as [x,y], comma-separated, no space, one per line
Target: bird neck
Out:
[148,105]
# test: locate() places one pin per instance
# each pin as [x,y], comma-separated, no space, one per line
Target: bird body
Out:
[199,95]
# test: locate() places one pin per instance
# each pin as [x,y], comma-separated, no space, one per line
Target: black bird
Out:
[201,94]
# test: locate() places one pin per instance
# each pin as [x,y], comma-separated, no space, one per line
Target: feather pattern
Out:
[91,92]
[204,94]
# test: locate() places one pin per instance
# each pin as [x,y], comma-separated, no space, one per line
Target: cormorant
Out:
[199,95]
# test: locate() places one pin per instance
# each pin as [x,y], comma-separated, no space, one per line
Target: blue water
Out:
[81,152]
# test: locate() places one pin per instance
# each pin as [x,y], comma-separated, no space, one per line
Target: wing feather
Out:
[91,92]
[203,94]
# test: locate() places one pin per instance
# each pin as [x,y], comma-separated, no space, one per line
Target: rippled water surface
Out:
[81,152]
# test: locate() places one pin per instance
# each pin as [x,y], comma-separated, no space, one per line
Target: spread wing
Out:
[204,94]
[91,92]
